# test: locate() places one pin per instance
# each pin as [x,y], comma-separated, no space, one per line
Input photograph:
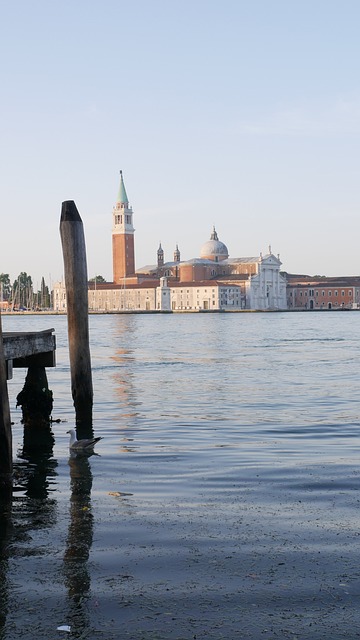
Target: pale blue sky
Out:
[244,114]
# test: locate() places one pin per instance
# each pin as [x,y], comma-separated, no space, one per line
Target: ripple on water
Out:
[229,457]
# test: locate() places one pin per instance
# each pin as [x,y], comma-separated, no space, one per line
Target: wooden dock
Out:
[33,350]
[22,350]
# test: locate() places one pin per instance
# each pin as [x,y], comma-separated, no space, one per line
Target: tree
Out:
[44,295]
[98,280]
[22,290]
[5,286]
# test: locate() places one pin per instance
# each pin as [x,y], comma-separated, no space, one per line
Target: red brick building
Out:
[321,292]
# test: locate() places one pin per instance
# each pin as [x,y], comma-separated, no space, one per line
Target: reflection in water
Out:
[38,451]
[36,475]
[31,508]
[124,358]
[127,448]
[5,535]
[79,541]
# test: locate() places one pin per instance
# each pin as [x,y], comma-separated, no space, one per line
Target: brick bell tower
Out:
[122,237]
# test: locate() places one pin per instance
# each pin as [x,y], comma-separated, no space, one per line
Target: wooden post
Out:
[36,399]
[76,284]
[5,429]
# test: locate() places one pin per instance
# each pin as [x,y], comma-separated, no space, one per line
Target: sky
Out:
[243,114]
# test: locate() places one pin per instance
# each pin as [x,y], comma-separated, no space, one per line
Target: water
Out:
[225,499]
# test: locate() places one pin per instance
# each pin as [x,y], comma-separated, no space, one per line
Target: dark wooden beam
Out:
[5,428]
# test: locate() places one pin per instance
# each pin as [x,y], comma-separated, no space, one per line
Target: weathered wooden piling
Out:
[5,429]
[76,284]
[35,399]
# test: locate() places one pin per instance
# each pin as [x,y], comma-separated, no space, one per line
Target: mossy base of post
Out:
[6,488]
[36,399]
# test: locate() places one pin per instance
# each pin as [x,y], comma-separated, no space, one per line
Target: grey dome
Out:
[214,249]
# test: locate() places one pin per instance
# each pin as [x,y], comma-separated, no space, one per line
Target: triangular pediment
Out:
[271,259]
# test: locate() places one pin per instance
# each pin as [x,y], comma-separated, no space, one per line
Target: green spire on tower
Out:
[122,196]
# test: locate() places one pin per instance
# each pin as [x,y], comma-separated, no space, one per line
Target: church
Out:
[211,282]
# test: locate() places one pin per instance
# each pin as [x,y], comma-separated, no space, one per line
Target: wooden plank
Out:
[28,333]
[23,345]
[23,350]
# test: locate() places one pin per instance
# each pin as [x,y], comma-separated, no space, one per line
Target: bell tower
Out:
[122,237]
[160,256]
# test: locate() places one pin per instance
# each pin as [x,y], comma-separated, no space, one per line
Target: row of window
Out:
[213,290]
[197,291]
[316,294]
[119,219]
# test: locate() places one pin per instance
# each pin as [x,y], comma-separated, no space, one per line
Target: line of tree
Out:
[21,295]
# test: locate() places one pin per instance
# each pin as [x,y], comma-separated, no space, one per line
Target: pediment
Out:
[271,259]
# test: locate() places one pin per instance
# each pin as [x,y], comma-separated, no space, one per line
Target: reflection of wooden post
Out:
[5,428]
[76,284]
[79,540]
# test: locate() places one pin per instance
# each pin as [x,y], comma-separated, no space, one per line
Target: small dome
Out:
[214,249]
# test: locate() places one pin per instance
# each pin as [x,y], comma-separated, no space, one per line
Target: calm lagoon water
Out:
[224,501]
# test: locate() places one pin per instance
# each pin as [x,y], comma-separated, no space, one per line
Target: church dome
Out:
[214,249]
